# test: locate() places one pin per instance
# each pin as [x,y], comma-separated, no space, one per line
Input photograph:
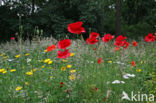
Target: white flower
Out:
[118,62]
[126,76]
[28,60]
[125,96]
[117,82]
[10,60]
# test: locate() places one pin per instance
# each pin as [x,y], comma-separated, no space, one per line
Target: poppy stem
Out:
[82,37]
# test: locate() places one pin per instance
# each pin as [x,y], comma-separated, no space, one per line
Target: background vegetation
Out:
[51,17]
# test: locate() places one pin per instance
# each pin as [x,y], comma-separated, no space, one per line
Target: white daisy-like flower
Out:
[126,76]
[117,82]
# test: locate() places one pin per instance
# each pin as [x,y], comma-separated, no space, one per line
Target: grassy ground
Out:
[36,81]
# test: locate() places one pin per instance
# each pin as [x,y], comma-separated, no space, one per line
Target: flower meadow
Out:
[98,70]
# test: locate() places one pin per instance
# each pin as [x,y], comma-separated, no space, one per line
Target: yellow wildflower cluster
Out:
[17,56]
[18,88]
[48,61]
[2,70]
[63,68]
[12,70]
[72,54]
[27,54]
[69,66]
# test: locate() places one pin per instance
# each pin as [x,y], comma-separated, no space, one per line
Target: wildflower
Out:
[4,72]
[72,54]
[69,66]
[50,62]
[12,38]
[116,48]
[117,82]
[94,35]
[76,28]
[51,77]
[73,71]
[107,38]
[133,63]
[34,70]
[95,48]
[18,88]
[63,68]
[99,60]
[26,83]
[2,69]
[138,70]
[64,60]
[5,57]
[126,76]
[134,43]
[63,54]
[43,66]
[51,48]
[141,62]
[61,84]
[2,54]
[72,77]
[63,44]
[12,70]
[47,60]
[27,54]
[17,56]
[45,51]
[110,61]
[150,38]
[29,73]
[28,60]
[92,41]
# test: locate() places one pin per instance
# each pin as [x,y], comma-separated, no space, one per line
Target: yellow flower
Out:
[43,66]
[2,54]
[26,83]
[45,51]
[4,72]
[27,54]
[17,56]
[51,77]
[34,70]
[29,73]
[2,69]
[72,77]
[69,66]
[12,70]
[138,70]
[18,88]
[50,62]
[141,62]
[73,71]
[110,61]
[47,60]
[64,60]
[63,68]
[5,57]
[72,54]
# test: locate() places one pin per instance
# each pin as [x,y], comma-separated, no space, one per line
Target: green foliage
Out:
[53,16]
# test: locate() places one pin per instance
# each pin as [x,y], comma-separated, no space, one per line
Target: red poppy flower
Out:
[107,38]
[116,48]
[12,38]
[133,63]
[91,41]
[63,44]
[134,43]
[76,28]
[120,38]
[125,44]
[63,54]
[61,83]
[150,38]
[95,48]
[51,48]
[99,60]
[94,35]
